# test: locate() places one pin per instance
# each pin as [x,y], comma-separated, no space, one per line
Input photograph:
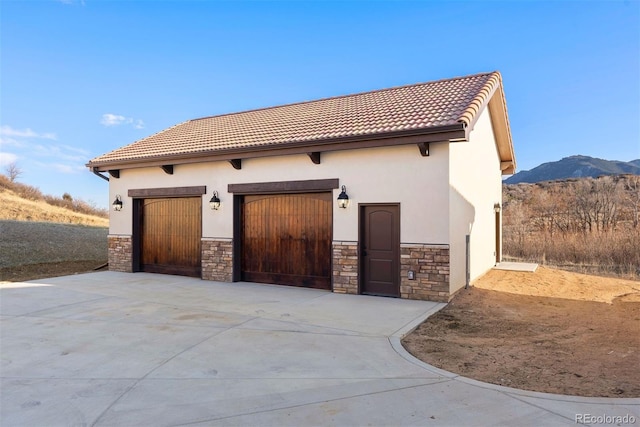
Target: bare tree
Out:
[517,227]
[13,171]
[584,206]
[632,198]
[607,195]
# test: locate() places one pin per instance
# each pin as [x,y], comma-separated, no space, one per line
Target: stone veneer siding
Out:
[431,266]
[345,267]
[217,260]
[429,262]
[120,253]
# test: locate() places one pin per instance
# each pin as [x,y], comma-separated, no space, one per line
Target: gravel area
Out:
[24,242]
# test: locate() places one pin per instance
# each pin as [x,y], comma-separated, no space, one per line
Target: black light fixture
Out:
[117,203]
[343,199]
[214,203]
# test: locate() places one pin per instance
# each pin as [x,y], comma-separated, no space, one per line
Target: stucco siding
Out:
[475,186]
[373,175]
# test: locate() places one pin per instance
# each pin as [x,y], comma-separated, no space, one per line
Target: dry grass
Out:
[613,253]
[585,225]
[17,208]
[28,192]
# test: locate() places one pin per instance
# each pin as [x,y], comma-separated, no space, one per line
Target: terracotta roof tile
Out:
[422,106]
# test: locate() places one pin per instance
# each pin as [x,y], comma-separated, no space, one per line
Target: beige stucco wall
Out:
[475,186]
[374,175]
[442,197]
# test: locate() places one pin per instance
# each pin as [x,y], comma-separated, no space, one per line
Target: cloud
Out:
[67,169]
[81,2]
[12,142]
[25,133]
[60,167]
[114,120]
[109,120]
[7,158]
[62,152]
[82,151]
[30,146]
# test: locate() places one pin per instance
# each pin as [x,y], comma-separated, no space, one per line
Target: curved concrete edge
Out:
[410,326]
[396,344]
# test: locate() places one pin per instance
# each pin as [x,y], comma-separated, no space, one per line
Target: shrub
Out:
[66,201]
[592,223]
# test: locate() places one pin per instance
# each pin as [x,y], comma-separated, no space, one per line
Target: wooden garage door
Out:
[170,236]
[286,239]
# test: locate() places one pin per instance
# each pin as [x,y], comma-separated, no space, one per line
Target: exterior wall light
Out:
[343,199]
[117,203]
[214,203]
[496,207]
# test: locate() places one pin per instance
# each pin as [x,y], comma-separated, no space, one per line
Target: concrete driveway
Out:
[115,349]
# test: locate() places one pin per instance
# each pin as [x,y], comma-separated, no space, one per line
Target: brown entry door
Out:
[286,239]
[170,236]
[380,250]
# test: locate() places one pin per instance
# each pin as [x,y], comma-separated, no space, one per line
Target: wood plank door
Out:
[380,250]
[170,236]
[286,239]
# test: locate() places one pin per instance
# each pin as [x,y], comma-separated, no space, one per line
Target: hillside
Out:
[575,167]
[14,207]
[39,239]
[29,243]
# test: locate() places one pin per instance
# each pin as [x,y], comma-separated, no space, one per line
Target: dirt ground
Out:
[23,273]
[550,331]
[30,242]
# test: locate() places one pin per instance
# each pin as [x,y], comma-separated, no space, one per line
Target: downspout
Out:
[467,260]
[97,172]
[106,178]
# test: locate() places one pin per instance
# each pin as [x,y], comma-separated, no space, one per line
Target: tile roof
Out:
[412,109]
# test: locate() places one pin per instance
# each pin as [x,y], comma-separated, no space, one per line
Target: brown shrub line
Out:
[66,201]
[586,224]
[613,253]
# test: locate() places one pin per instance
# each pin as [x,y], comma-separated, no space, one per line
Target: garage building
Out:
[394,192]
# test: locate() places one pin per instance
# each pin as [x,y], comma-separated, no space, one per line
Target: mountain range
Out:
[575,167]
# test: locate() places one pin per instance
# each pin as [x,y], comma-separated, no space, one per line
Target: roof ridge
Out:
[343,96]
[482,97]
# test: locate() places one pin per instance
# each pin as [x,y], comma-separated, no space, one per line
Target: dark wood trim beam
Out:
[308,186]
[236,262]
[115,173]
[424,148]
[236,163]
[136,238]
[315,157]
[453,135]
[168,169]
[150,193]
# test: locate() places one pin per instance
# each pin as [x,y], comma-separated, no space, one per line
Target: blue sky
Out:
[79,78]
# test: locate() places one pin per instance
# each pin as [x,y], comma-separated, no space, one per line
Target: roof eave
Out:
[454,132]
[502,132]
